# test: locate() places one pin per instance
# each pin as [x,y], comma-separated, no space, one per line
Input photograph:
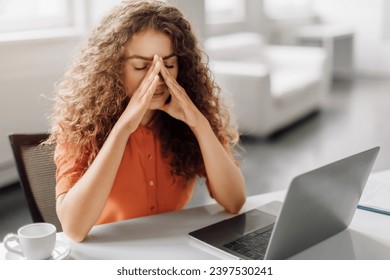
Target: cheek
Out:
[174,72]
[132,81]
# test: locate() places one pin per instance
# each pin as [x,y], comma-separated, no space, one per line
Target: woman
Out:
[137,118]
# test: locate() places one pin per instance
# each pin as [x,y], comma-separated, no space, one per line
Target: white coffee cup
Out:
[36,241]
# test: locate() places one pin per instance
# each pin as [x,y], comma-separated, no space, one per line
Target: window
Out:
[21,15]
[225,11]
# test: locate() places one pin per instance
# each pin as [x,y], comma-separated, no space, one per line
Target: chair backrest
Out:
[36,168]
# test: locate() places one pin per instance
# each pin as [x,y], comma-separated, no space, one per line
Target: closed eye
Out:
[169,66]
[140,68]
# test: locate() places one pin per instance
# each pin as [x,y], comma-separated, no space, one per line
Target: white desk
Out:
[165,236]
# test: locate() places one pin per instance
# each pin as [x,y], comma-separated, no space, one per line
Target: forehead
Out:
[147,43]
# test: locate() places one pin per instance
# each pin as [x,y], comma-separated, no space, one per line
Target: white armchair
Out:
[270,86]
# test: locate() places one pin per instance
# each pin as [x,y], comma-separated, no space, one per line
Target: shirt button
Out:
[151,183]
[150,156]
[152,209]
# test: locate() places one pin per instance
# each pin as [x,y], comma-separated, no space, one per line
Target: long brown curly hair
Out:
[92,96]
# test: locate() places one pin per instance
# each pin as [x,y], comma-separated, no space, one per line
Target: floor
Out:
[354,118]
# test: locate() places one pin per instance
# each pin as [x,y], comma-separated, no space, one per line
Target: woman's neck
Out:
[147,117]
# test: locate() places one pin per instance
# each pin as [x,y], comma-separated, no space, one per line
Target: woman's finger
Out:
[150,75]
[150,91]
[172,84]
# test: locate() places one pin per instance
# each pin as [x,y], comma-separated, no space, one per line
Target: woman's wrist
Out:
[123,129]
[200,125]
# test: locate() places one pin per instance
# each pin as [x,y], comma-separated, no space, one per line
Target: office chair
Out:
[37,171]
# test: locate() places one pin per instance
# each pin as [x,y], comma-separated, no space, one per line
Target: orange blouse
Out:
[143,184]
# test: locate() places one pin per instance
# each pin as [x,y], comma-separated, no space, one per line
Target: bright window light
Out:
[18,15]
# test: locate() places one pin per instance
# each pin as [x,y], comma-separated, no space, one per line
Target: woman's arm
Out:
[225,179]
[226,182]
[79,208]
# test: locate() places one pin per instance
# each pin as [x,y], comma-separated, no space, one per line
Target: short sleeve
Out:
[68,170]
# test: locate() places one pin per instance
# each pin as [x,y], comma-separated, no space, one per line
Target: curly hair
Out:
[92,96]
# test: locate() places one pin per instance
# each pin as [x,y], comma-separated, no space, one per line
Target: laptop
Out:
[318,205]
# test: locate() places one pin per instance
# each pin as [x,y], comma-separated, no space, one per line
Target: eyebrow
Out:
[148,58]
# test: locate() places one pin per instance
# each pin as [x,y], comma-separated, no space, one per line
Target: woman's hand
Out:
[141,98]
[225,180]
[180,106]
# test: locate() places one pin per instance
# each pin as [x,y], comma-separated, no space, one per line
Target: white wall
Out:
[372,50]
[254,21]
[193,10]
[28,72]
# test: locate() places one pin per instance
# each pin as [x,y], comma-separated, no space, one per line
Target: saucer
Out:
[61,251]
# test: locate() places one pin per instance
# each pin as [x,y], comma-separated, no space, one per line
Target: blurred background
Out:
[308,80]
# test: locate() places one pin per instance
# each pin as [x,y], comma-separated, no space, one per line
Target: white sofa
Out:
[270,87]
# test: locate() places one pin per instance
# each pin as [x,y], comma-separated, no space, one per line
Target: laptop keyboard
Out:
[252,245]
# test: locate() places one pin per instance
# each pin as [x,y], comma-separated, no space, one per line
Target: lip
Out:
[160,91]
[158,94]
